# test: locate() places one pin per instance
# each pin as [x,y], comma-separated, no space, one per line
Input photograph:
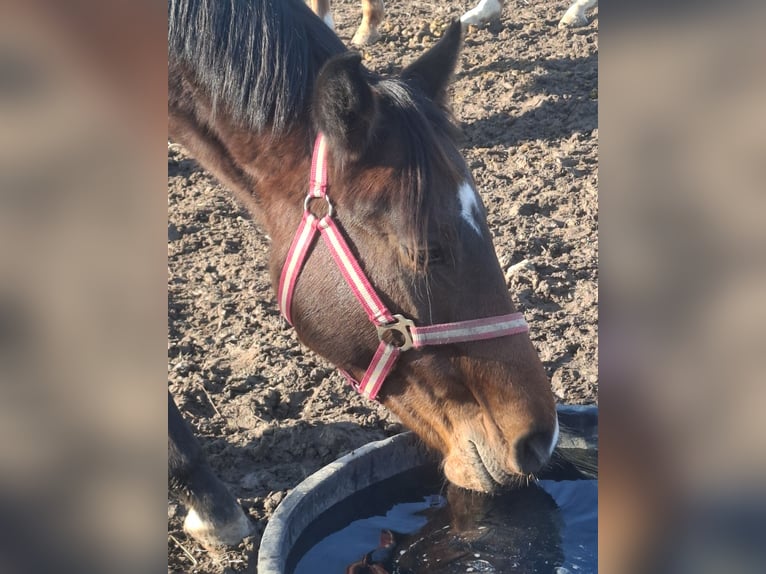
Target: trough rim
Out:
[319,492]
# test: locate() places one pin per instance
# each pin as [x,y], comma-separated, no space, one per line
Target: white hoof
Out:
[211,535]
[573,19]
[575,15]
[485,11]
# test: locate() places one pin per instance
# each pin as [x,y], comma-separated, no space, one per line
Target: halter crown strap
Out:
[408,335]
[318,181]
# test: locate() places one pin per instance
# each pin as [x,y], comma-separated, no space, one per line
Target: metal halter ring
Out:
[308,199]
[402,327]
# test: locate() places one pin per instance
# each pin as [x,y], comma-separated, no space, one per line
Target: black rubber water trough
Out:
[303,516]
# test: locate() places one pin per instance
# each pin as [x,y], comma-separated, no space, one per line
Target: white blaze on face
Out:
[469,205]
[329,21]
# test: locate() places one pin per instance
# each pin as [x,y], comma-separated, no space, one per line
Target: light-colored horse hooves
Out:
[573,20]
[484,12]
[365,37]
[214,536]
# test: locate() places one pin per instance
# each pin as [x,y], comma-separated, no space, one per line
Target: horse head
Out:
[407,206]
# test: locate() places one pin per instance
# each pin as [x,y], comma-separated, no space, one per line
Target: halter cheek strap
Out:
[396,333]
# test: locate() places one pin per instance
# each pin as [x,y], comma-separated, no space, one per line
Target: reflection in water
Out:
[517,532]
[548,528]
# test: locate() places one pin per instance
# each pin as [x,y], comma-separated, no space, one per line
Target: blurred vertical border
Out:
[82,286]
[683,245]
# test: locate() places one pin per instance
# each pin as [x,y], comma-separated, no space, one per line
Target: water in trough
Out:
[416,524]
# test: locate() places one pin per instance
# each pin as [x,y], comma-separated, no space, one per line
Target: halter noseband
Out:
[401,331]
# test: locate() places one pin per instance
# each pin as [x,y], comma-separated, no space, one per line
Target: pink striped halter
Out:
[396,333]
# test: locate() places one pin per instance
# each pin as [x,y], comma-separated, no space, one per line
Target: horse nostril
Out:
[532,452]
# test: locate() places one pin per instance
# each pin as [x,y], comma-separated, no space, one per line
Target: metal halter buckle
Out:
[402,336]
[308,199]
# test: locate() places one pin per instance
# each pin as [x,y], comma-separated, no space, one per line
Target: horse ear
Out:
[344,105]
[433,71]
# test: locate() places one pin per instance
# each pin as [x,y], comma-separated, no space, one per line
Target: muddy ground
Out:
[270,413]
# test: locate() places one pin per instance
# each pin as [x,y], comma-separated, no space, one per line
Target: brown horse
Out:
[250,86]
[373,12]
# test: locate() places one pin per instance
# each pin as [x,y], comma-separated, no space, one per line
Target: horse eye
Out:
[432,255]
[435,255]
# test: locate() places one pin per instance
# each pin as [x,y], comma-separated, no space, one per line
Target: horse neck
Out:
[267,173]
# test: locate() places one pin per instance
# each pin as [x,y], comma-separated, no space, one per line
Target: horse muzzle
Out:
[487,463]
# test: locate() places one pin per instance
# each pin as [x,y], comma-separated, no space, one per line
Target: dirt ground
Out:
[270,413]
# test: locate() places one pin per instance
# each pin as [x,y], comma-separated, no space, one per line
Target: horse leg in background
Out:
[322,9]
[373,12]
[215,518]
[482,13]
[575,16]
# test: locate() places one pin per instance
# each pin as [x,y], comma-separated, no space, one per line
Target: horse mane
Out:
[257,59]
